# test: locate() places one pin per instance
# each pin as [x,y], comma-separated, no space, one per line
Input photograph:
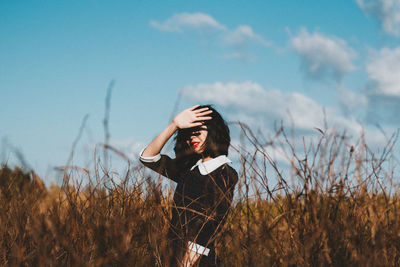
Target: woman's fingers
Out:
[195,124]
[204,118]
[195,106]
[193,117]
[201,110]
[199,116]
[204,113]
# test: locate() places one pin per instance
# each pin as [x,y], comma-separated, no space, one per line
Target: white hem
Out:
[199,249]
[149,159]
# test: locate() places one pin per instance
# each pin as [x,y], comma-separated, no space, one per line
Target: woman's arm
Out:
[188,118]
[159,141]
[163,164]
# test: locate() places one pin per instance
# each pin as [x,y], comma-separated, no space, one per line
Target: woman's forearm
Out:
[159,141]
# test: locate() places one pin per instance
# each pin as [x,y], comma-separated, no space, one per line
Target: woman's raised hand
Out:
[192,117]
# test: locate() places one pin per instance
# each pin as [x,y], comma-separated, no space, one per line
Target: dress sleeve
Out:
[161,164]
[219,202]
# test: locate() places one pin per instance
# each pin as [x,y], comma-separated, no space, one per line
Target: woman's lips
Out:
[195,144]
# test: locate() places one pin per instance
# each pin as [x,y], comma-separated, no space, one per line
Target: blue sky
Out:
[259,62]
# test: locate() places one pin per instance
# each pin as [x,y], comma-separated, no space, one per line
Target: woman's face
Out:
[197,139]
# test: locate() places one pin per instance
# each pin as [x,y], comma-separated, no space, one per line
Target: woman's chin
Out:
[197,150]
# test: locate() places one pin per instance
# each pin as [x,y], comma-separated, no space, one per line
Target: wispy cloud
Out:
[387,12]
[383,70]
[239,55]
[323,56]
[237,39]
[243,34]
[180,22]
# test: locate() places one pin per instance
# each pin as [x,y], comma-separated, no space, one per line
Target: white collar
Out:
[210,165]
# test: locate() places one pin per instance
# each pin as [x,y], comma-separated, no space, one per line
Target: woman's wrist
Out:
[174,125]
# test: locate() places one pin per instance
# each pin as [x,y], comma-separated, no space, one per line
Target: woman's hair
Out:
[217,141]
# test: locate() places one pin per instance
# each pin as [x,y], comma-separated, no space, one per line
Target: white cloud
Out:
[260,109]
[242,34]
[226,94]
[250,103]
[386,11]
[178,22]
[323,56]
[251,98]
[383,71]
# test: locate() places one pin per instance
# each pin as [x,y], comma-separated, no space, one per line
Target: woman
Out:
[205,182]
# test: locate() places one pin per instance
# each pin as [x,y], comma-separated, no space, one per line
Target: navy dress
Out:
[201,204]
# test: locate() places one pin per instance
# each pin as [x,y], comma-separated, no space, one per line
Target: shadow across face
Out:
[196,138]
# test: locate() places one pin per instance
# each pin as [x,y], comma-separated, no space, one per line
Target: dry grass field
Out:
[338,206]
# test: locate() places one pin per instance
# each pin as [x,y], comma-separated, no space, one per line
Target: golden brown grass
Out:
[338,206]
